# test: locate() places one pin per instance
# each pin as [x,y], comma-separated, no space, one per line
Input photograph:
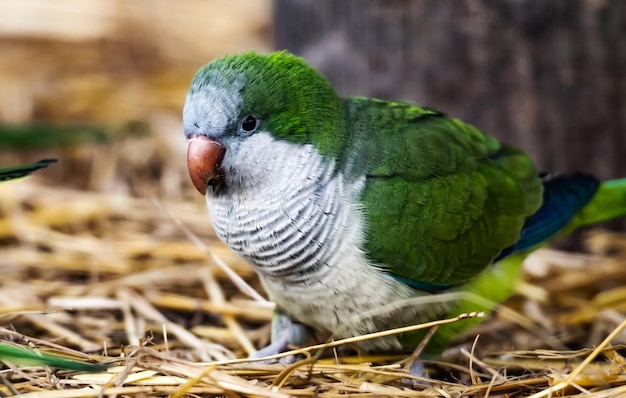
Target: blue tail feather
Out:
[563,197]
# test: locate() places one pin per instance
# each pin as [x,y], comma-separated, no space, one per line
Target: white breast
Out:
[300,226]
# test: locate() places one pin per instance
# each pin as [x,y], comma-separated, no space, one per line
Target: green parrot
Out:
[22,171]
[349,207]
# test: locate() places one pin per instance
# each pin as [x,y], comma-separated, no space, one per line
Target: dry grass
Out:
[109,256]
[118,278]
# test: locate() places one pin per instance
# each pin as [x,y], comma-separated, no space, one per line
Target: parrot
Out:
[23,170]
[348,207]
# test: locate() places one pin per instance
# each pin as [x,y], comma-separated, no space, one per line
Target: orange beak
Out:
[204,158]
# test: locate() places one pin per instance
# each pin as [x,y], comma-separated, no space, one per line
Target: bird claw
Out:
[275,348]
[420,375]
[417,369]
[285,332]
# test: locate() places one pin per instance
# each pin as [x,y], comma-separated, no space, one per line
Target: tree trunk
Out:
[548,76]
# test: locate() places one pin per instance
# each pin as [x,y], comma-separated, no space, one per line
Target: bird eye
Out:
[249,124]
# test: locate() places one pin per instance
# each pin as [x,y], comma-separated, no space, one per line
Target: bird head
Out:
[239,108]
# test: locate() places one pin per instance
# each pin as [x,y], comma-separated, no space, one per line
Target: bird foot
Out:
[285,332]
[276,347]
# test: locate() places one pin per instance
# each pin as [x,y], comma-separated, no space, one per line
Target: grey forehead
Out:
[211,107]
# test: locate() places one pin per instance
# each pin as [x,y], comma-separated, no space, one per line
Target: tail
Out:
[570,202]
[608,203]
[564,196]
[24,170]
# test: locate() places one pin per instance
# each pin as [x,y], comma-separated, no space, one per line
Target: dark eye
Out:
[249,124]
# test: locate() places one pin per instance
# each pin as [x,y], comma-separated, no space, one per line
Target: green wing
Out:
[441,198]
[24,170]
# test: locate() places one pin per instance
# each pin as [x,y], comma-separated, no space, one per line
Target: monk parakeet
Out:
[349,207]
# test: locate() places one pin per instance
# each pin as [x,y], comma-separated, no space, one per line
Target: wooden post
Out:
[546,75]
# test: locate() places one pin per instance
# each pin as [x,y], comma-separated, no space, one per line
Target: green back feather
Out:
[442,199]
[499,281]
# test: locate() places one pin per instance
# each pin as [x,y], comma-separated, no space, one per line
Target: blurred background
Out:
[99,80]
[100,85]
[548,76]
